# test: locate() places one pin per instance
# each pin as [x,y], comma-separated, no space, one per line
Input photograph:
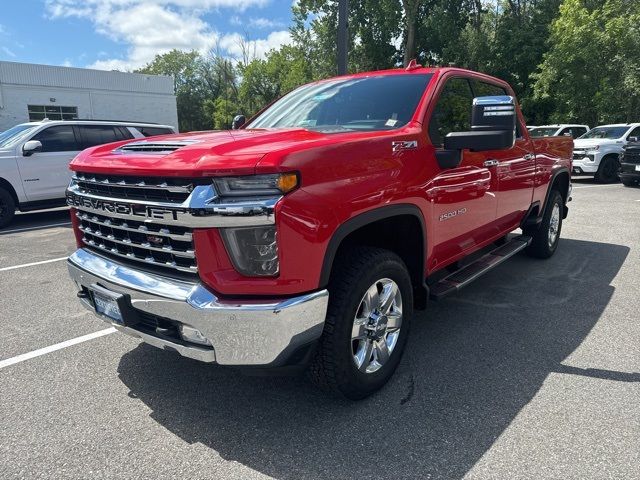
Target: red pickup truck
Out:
[307,237]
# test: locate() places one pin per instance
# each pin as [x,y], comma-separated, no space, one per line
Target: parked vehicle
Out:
[630,163]
[566,129]
[35,156]
[597,151]
[306,237]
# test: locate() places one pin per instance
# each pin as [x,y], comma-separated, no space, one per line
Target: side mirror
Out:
[633,139]
[31,147]
[493,126]
[238,121]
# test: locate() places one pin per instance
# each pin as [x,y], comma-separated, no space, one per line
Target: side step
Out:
[467,274]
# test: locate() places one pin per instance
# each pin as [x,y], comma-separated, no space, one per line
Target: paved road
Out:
[532,372]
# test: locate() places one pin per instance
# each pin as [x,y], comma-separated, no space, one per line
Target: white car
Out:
[35,156]
[559,130]
[596,152]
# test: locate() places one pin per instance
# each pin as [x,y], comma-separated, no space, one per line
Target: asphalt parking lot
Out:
[533,372]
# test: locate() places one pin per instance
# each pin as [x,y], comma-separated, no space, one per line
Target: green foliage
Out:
[567,60]
[190,89]
[592,70]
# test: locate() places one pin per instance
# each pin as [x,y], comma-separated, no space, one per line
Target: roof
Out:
[83,78]
[96,122]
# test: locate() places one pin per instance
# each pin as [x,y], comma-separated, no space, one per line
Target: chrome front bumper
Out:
[251,333]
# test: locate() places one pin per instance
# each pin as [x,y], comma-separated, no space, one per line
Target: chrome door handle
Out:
[490,163]
[529,156]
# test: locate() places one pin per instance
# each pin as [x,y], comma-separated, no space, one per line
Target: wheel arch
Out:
[406,236]
[6,185]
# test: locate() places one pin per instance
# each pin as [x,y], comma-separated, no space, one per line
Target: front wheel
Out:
[608,170]
[370,307]
[630,183]
[545,239]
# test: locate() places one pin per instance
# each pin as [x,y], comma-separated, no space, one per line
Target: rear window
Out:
[93,135]
[152,131]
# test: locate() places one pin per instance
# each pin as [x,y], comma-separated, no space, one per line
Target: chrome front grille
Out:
[136,188]
[631,156]
[153,244]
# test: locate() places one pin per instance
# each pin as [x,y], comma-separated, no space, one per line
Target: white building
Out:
[31,92]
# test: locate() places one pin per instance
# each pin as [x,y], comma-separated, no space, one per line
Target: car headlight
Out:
[593,148]
[256,185]
[253,250]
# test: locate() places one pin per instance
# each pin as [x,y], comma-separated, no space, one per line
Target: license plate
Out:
[637,168]
[108,307]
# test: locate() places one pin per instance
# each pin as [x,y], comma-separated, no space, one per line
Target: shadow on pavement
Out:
[472,363]
[40,219]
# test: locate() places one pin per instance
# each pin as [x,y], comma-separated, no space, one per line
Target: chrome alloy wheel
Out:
[376,326]
[554,224]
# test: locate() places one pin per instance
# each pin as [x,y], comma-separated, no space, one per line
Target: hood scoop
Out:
[151,147]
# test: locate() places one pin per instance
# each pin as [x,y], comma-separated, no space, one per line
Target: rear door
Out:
[92,135]
[463,199]
[514,168]
[45,174]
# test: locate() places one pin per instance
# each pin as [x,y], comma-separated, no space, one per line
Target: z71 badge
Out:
[455,213]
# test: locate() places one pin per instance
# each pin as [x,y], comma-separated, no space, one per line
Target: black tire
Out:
[7,208]
[541,246]
[333,367]
[629,183]
[608,170]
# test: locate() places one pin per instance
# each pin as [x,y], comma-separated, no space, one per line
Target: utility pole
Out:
[343,35]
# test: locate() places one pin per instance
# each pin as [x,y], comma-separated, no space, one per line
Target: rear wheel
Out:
[7,208]
[370,306]
[629,183]
[547,235]
[608,170]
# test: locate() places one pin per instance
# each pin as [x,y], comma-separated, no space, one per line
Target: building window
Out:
[52,112]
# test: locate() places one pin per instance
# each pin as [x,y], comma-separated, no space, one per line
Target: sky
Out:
[127,34]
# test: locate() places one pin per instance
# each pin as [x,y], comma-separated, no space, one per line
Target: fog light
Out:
[193,335]
[253,250]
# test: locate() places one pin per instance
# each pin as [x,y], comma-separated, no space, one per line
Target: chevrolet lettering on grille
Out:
[124,209]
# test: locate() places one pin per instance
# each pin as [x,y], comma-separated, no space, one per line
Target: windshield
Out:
[370,103]
[13,134]
[543,131]
[605,132]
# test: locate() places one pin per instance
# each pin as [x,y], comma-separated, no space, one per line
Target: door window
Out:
[484,89]
[452,113]
[634,133]
[59,138]
[93,135]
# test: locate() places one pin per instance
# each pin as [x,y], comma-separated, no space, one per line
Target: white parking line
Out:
[26,229]
[58,346]
[4,269]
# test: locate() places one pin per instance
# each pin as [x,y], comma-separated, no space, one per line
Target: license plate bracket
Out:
[112,306]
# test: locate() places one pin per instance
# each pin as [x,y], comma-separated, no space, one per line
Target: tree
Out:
[592,72]
[190,89]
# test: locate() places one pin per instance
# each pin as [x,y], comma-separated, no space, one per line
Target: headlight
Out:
[253,250]
[594,148]
[256,185]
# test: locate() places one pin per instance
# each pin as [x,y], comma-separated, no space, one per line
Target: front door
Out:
[515,168]
[462,199]
[45,174]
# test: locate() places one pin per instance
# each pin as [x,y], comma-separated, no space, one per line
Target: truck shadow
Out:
[473,362]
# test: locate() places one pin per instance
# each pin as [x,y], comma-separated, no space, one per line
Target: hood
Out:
[590,142]
[196,154]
